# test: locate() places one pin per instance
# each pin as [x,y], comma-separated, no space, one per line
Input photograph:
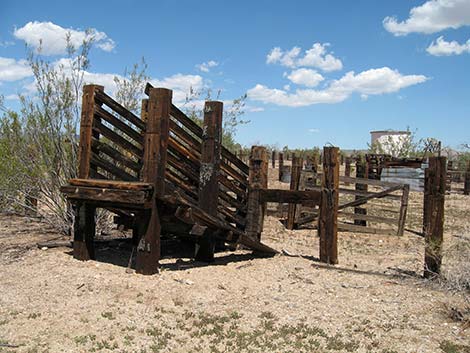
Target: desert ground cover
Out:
[374,300]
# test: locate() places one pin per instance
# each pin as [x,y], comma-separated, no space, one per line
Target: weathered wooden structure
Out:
[161,174]
[164,176]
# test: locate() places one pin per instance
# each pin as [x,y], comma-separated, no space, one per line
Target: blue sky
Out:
[316,72]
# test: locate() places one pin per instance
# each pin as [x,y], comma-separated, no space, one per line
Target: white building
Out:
[390,141]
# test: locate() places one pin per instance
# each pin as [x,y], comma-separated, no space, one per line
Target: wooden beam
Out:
[258,159]
[84,231]
[290,196]
[86,128]
[466,189]
[403,209]
[102,194]
[281,165]
[208,196]
[296,169]
[328,218]
[153,172]
[361,172]
[433,220]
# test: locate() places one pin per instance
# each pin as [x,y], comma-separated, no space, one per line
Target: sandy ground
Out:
[373,301]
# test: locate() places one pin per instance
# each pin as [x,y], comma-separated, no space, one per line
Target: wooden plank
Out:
[289,196]
[296,169]
[376,219]
[328,217]
[86,123]
[346,227]
[111,119]
[101,194]
[98,147]
[403,210]
[185,136]
[240,178]
[112,168]
[113,184]
[345,179]
[117,139]
[347,169]
[118,108]
[433,220]
[153,171]
[235,161]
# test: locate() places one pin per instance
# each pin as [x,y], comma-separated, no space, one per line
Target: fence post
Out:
[296,169]
[84,224]
[433,220]
[328,219]
[466,188]
[273,159]
[403,209]
[281,164]
[153,171]
[449,176]
[361,172]
[347,168]
[209,172]
[257,179]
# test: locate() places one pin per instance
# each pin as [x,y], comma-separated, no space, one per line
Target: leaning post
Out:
[281,165]
[328,219]
[466,188]
[433,220]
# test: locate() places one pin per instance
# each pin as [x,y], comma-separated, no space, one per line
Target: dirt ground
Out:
[375,300]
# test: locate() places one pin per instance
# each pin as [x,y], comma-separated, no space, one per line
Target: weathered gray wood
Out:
[361,172]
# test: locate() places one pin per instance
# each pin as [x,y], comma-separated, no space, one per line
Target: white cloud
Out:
[314,131]
[206,66]
[51,38]
[370,82]
[317,56]
[431,17]
[306,77]
[252,109]
[181,85]
[440,47]
[13,70]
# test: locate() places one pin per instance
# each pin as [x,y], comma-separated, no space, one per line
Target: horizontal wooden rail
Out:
[112,168]
[102,97]
[98,147]
[117,139]
[289,196]
[125,128]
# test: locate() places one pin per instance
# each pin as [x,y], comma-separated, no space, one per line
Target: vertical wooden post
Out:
[433,220]
[209,173]
[153,171]
[347,168]
[328,219]
[309,163]
[466,187]
[361,172]
[281,164]
[84,223]
[256,181]
[273,159]
[296,169]
[449,176]
[403,209]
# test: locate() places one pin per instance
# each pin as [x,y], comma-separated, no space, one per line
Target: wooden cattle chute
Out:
[160,173]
